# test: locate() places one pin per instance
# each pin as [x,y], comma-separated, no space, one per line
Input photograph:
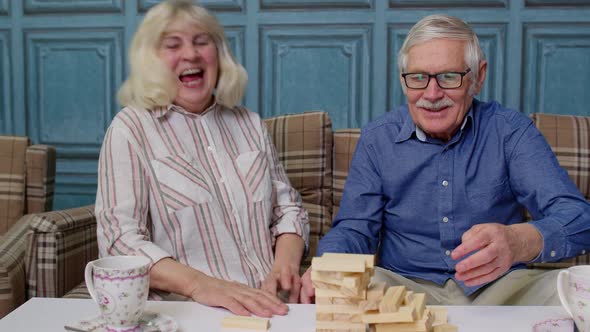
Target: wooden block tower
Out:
[346,302]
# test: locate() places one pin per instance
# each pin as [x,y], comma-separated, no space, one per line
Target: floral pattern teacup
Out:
[573,287]
[120,286]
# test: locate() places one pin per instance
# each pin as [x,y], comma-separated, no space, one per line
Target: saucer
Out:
[555,325]
[149,322]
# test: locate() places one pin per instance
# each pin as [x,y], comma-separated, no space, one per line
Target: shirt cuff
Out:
[554,244]
[153,252]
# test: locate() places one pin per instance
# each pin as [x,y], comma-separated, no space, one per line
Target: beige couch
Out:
[316,159]
[27,175]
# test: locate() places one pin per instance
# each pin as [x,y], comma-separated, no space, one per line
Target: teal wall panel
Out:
[61,63]
[303,68]
[556,74]
[5,86]
[75,6]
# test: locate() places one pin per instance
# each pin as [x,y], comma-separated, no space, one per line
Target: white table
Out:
[47,314]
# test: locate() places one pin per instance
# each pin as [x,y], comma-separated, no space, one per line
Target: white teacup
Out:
[120,286]
[573,287]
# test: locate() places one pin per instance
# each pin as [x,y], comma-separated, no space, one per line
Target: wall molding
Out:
[78,6]
[214,5]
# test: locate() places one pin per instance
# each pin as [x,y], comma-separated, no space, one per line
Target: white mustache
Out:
[445,102]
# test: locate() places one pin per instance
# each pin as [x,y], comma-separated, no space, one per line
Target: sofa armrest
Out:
[58,246]
[40,179]
[12,266]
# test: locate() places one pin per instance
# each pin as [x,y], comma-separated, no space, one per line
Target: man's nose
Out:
[433,91]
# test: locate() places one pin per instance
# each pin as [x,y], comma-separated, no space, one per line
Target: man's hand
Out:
[494,248]
[283,277]
[307,295]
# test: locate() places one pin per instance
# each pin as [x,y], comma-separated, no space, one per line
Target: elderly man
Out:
[437,187]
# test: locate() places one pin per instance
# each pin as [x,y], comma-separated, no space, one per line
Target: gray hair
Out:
[151,84]
[440,26]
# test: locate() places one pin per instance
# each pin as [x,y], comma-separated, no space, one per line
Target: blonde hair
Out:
[151,83]
[444,26]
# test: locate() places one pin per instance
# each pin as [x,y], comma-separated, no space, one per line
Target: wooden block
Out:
[345,300]
[375,291]
[334,278]
[419,304]
[339,325]
[369,260]
[403,315]
[445,328]
[323,300]
[439,313]
[339,308]
[368,305]
[353,318]
[422,325]
[319,292]
[244,322]
[337,265]
[408,298]
[324,316]
[392,299]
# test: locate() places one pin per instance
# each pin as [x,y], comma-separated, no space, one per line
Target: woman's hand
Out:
[284,275]
[237,298]
[169,275]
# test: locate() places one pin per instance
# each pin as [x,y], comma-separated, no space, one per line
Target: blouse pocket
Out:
[254,170]
[180,182]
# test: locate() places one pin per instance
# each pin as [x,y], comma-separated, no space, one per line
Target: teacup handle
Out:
[90,281]
[562,284]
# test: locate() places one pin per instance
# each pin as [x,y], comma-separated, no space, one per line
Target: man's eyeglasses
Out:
[448,80]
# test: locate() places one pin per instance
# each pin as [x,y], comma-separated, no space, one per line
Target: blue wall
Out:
[61,63]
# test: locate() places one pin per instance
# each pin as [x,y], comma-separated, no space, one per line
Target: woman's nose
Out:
[190,53]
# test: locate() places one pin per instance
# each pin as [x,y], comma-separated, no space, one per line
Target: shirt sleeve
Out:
[559,211]
[288,214]
[358,222]
[122,201]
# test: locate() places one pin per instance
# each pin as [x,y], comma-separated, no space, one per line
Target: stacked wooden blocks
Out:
[346,302]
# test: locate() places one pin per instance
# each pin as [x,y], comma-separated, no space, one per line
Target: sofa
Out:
[316,159]
[27,176]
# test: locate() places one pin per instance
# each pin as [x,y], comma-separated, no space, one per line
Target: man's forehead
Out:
[438,54]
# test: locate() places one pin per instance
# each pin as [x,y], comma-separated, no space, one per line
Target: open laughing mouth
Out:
[192,76]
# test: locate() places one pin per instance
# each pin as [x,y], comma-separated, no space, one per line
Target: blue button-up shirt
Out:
[410,197]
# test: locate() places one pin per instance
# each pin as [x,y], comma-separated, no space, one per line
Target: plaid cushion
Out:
[569,137]
[12,180]
[78,292]
[59,244]
[12,267]
[40,178]
[345,141]
[304,146]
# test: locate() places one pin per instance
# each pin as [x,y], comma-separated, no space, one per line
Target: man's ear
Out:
[403,84]
[483,69]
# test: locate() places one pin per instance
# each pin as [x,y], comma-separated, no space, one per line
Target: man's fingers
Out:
[472,240]
[480,258]
[493,275]
[477,271]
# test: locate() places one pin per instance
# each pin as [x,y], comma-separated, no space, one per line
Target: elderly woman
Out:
[190,180]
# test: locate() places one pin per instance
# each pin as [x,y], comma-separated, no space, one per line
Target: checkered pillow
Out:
[58,246]
[304,147]
[569,137]
[12,180]
[12,267]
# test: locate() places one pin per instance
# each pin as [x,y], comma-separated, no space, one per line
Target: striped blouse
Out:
[205,189]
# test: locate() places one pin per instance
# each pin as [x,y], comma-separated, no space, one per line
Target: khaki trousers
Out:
[520,287]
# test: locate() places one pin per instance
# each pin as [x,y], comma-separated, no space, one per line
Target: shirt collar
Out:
[162,111]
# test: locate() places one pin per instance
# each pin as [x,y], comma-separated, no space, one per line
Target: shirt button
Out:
[445,183]
[553,253]
[448,252]
[210,148]
[445,219]
[583,252]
